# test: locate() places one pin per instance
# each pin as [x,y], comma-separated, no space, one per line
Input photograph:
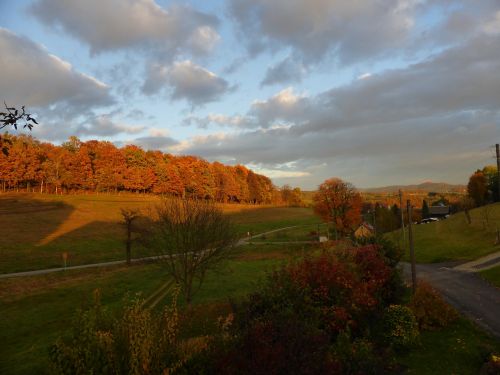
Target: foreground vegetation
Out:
[36,310]
[454,239]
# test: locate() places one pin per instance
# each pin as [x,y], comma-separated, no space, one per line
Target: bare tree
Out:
[129,216]
[13,117]
[192,237]
[467,203]
[485,213]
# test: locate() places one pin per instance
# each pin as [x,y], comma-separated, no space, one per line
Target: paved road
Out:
[466,291]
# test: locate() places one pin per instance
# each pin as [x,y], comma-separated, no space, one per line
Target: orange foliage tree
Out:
[477,188]
[338,202]
[100,166]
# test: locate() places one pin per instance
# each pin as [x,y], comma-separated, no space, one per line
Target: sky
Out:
[374,92]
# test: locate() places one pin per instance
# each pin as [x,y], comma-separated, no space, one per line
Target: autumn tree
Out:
[192,237]
[291,197]
[477,188]
[338,202]
[100,166]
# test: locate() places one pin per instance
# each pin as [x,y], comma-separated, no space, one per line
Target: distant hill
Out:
[428,186]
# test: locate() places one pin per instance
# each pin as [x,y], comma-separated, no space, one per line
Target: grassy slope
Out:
[455,239]
[492,275]
[36,229]
[460,348]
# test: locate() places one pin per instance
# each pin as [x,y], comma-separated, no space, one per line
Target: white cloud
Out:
[115,24]
[493,25]
[364,76]
[286,71]
[187,81]
[219,120]
[104,126]
[33,77]
[354,30]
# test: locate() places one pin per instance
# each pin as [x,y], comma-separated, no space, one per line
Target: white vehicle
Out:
[429,220]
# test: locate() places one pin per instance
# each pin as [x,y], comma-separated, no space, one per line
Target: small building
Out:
[365,230]
[439,211]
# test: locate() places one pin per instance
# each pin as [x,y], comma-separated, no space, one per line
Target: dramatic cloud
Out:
[31,76]
[389,123]
[114,24]
[188,81]
[355,30]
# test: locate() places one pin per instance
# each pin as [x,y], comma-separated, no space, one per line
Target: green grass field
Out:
[36,229]
[492,275]
[36,310]
[454,239]
[460,348]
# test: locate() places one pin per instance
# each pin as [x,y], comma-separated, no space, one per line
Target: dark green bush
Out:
[400,327]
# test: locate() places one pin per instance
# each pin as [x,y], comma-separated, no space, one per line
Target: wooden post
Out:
[65,258]
[497,147]
[402,218]
[412,250]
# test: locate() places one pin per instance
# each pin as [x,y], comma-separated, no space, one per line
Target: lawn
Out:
[36,310]
[460,348]
[453,239]
[36,229]
[492,275]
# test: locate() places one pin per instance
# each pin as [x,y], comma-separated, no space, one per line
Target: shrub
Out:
[430,310]
[492,367]
[400,327]
[361,356]
[137,342]
[312,316]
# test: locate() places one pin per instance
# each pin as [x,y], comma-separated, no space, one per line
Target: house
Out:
[439,211]
[365,230]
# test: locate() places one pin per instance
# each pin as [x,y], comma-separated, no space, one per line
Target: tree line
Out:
[99,166]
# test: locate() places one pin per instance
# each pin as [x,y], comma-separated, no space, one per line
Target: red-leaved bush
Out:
[344,285]
[314,316]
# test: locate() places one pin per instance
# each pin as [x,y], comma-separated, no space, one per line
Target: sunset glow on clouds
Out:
[393,91]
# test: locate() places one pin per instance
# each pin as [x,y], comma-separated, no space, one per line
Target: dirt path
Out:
[466,291]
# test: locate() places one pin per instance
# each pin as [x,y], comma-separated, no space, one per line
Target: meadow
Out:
[37,310]
[492,275]
[36,229]
[454,239]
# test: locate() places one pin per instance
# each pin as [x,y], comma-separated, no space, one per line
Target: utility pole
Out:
[498,170]
[412,250]
[402,217]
